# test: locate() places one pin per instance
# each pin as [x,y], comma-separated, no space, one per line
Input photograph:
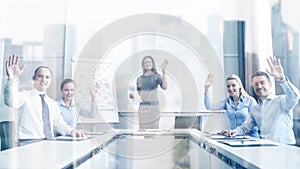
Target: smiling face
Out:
[42,79]
[148,65]
[262,86]
[67,91]
[233,88]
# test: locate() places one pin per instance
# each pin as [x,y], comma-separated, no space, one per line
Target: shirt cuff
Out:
[282,80]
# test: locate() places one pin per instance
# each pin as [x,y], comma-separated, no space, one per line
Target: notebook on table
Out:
[70,138]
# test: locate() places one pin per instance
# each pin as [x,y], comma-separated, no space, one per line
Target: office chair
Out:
[7,134]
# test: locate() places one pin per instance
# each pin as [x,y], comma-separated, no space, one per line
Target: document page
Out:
[70,138]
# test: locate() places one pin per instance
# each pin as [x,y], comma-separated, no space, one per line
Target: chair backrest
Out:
[7,134]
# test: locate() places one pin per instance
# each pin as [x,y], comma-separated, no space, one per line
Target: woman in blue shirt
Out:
[70,110]
[237,105]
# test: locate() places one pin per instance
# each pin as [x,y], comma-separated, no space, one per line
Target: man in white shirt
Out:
[29,104]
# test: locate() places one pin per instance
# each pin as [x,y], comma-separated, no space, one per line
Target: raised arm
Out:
[292,93]
[208,82]
[164,80]
[13,72]
[94,93]
[207,85]
[94,90]
[276,69]
[12,68]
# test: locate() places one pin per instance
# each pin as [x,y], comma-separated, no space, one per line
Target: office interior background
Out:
[104,41]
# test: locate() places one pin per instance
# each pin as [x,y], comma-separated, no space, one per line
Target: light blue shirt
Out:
[67,113]
[274,116]
[71,113]
[236,114]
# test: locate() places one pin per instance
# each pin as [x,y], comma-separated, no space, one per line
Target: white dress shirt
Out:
[29,105]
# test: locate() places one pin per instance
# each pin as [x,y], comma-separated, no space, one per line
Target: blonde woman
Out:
[237,105]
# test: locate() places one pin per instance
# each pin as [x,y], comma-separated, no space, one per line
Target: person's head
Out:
[42,78]
[234,86]
[148,64]
[67,88]
[261,84]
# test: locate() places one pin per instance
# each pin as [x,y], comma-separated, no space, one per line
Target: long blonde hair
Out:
[238,80]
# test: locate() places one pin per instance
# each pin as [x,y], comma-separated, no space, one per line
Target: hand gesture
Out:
[276,70]
[95,89]
[78,133]
[209,80]
[12,67]
[164,65]
[229,133]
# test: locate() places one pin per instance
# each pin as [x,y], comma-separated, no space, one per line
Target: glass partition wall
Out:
[105,41]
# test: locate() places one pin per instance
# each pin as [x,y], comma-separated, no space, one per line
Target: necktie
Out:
[46,118]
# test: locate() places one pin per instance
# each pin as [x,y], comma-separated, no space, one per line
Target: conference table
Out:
[152,148]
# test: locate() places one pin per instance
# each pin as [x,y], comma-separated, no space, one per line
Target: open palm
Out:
[164,65]
[95,89]
[12,67]
[209,81]
[276,69]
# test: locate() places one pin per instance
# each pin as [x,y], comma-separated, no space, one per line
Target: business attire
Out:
[30,116]
[236,114]
[274,116]
[71,113]
[149,111]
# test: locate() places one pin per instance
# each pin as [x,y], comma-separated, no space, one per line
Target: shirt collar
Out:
[270,97]
[36,91]
[61,102]
[242,97]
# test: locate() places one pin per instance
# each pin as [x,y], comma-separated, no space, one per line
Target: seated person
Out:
[237,105]
[70,110]
[38,114]
[274,113]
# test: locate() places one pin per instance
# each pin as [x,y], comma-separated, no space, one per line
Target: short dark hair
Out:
[65,81]
[261,73]
[38,68]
